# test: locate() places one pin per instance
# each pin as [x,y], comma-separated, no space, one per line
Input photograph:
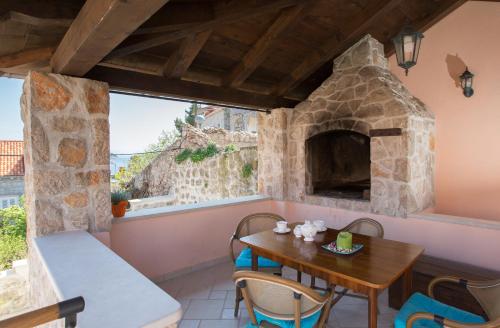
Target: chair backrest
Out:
[487,293]
[365,226]
[251,224]
[277,297]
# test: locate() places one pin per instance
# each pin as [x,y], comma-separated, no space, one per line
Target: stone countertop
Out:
[116,295]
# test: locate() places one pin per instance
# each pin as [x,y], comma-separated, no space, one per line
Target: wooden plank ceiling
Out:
[250,53]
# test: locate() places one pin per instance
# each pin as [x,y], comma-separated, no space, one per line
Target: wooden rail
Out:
[66,309]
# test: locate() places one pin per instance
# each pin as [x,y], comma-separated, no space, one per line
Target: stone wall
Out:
[66,154]
[216,177]
[66,135]
[361,96]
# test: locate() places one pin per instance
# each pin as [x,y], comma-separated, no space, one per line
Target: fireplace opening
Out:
[339,164]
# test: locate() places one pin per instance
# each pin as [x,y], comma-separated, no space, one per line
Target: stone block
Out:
[72,152]
[97,98]
[100,146]
[48,94]
[68,124]
[77,199]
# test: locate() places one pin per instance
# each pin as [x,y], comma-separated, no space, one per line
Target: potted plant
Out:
[119,203]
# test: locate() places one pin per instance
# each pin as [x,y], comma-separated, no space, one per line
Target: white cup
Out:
[281,225]
[319,224]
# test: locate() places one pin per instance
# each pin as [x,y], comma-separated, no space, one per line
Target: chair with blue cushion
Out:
[242,258]
[422,311]
[274,301]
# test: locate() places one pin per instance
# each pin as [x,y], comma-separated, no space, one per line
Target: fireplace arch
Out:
[338,164]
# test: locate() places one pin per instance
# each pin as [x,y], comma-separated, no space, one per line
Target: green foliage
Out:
[183,155]
[246,171]
[118,196]
[12,235]
[191,114]
[230,148]
[197,155]
[13,221]
[189,117]
[179,123]
[12,248]
[139,162]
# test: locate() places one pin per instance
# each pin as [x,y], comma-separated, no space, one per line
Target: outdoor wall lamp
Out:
[407,45]
[466,82]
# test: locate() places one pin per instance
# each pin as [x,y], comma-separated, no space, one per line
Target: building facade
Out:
[11,172]
[231,119]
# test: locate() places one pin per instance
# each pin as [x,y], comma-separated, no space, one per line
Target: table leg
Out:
[372,308]
[407,284]
[255,262]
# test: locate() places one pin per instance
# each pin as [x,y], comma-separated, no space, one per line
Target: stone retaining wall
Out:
[215,177]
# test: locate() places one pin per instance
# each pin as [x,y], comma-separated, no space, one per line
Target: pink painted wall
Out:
[468,129]
[165,244]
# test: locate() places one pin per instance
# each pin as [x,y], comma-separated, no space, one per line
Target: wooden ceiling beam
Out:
[26,57]
[333,46]
[178,63]
[100,26]
[260,50]
[237,13]
[18,17]
[155,85]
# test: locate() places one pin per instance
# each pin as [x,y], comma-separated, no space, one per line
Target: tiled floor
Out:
[207,298]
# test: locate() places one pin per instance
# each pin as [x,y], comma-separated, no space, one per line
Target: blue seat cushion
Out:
[308,322]
[421,303]
[245,260]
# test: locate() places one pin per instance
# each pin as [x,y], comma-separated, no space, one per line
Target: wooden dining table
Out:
[369,271]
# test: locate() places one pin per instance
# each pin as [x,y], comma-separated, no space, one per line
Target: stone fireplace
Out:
[360,141]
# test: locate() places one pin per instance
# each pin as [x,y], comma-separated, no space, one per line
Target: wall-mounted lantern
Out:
[466,82]
[407,45]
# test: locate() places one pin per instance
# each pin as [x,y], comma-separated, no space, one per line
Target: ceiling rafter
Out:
[156,85]
[178,63]
[241,11]
[19,17]
[25,57]
[99,27]
[332,47]
[259,51]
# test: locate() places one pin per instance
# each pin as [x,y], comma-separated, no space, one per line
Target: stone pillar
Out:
[272,153]
[66,135]
[66,139]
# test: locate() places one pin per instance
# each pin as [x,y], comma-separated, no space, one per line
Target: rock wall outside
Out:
[215,177]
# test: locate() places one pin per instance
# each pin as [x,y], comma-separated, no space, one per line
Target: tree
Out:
[12,235]
[189,117]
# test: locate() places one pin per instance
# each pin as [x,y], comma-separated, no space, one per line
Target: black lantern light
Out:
[466,82]
[407,45]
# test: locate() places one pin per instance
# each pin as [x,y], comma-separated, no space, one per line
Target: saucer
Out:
[287,230]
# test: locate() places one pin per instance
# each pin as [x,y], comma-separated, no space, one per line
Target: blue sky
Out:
[135,122]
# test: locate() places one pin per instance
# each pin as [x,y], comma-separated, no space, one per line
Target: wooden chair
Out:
[273,301]
[421,310]
[362,226]
[242,260]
